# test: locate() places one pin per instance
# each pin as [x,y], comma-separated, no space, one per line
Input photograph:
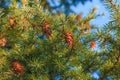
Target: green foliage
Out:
[47,45]
[109,38]
[43,58]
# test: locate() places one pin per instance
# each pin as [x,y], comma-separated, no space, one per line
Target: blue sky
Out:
[85,9]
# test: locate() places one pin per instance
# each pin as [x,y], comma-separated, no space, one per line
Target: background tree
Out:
[109,37]
[60,6]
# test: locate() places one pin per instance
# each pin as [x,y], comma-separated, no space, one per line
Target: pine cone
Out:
[92,44]
[3,42]
[79,17]
[25,19]
[17,67]
[11,20]
[46,29]
[69,39]
[87,24]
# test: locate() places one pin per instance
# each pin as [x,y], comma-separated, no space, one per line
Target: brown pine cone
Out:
[46,29]
[3,42]
[79,17]
[17,67]
[92,44]
[11,20]
[68,37]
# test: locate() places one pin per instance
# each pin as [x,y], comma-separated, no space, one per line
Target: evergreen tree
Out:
[109,38]
[36,45]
